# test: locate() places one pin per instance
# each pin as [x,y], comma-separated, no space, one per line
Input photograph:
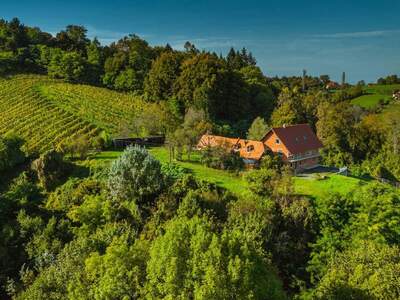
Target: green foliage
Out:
[370,271]
[117,274]
[391,79]
[126,69]
[172,172]
[50,169]
[69,66]
[219,158]
[289,109]
[261,182]
[186,136]
[162,75]
[370,213]
[258,129]
[10,151]
[190,260]
[134,175]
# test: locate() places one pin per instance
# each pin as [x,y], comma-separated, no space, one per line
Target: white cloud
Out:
[357,34]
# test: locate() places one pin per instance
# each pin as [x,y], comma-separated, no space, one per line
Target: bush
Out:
[358,171]
[77,147]
[172,172]
[10,152]
[50,168]
[219,158]
[134,175]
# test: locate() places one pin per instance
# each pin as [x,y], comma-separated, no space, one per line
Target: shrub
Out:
[219,158]
[50,168]
[134,175]
[10,152]
[172,172]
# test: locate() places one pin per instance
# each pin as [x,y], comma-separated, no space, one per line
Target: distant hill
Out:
[375,93]
[45,111]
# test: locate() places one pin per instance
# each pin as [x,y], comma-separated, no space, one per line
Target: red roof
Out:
[297,138]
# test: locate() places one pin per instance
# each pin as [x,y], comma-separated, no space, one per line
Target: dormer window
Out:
[277,141]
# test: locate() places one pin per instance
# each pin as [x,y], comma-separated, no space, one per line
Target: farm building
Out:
[148,141]
[250,151]
[296,144]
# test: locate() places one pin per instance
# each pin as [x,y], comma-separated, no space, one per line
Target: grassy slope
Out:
[374,93]
[235,183]
[46,112]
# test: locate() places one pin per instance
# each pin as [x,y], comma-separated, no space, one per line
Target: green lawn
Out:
[235,183]
[374,93]
[369,101]
[333,184]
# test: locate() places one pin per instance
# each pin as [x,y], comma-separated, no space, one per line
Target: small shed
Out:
[145,141]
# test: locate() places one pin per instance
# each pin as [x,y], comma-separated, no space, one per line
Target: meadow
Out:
[234,182]
[375,93]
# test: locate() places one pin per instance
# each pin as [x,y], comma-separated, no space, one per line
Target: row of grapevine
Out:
[104,108]
[37,119]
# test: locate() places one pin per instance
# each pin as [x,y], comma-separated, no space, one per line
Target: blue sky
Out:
[361,38]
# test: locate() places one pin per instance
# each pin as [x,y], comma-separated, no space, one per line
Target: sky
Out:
[361,38]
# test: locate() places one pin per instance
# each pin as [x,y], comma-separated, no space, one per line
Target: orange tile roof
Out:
[247,149]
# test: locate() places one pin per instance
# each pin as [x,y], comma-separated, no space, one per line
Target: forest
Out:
[74,225]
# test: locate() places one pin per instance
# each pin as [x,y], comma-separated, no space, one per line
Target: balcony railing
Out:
[298,157]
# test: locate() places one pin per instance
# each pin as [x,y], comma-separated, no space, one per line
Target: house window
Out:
[280,153]
[250,148]
[304,137]
[277,141]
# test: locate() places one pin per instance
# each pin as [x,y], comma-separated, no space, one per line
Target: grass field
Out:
[235,183]
[333,184]
[375,93]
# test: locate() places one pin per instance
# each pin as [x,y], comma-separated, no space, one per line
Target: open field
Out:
[235,183]
[375,93]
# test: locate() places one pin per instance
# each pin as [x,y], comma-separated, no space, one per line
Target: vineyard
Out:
[46,112]
[104,108]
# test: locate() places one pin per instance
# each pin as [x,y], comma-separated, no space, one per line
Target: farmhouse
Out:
[297,145]
[250,151]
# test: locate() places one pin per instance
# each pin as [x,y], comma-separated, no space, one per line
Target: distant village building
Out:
[297,145]
[332,85]
[396,95]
